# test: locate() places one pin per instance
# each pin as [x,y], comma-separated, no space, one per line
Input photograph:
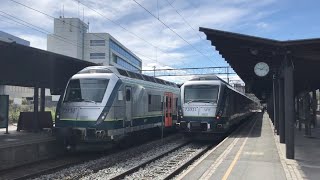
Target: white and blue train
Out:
[105,103]
[211,106]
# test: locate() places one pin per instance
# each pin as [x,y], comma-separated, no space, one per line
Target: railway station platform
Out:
[19,148]
[254,152]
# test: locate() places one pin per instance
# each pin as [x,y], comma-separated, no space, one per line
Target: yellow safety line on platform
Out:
[226,175]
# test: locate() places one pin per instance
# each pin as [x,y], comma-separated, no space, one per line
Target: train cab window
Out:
[86,90]
[201,93]
[128,95]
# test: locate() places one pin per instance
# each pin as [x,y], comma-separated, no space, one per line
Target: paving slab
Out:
[250,153]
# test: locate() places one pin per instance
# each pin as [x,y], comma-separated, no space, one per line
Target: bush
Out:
[14,111]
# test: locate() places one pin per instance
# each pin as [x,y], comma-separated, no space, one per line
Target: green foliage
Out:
[14,111]
[53,112]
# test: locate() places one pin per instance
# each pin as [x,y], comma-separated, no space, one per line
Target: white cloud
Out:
[172,51]
[39,42]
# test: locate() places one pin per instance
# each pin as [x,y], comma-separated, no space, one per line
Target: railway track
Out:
[78,165]
[115,162]
[163,166]
[46,166]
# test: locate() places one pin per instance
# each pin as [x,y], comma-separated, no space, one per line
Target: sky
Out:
[165,33]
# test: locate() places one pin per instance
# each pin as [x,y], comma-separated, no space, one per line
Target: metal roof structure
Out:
[242,52]
[30,67]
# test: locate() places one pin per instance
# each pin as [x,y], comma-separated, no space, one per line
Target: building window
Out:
[97,55]
[126,65]
[114,58]
[97,42]
[133,60]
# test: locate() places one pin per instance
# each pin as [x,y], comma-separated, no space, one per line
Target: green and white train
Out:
[105,103]
[210,106]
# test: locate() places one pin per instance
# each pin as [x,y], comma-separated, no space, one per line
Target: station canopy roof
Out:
[242,52]
[30,67]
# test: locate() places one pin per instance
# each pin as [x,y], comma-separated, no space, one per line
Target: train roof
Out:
[215,77]
[126,73]
[207,78]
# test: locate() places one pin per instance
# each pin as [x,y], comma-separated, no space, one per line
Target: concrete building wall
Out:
[68,37]
[100,48]
[93,44]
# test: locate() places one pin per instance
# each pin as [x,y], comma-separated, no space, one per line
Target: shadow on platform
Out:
[307,152]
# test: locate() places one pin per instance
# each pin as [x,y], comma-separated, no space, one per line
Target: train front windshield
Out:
[86,90]
[201,93]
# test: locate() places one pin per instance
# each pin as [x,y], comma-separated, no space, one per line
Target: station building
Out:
[71,38]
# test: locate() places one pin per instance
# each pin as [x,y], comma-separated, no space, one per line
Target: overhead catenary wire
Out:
[43,31]
[172,30]
[155,60]
[186,22]
[124,28]
[36,28]
[29,7]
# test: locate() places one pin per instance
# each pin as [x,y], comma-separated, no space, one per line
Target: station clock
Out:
[261,69]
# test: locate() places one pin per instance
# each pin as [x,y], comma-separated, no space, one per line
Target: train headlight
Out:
[218,117]
[104,115]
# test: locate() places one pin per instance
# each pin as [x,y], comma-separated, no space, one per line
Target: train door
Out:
[128,106]
[168,109]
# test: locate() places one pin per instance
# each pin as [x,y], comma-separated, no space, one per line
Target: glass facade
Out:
[133,60]
[121,62]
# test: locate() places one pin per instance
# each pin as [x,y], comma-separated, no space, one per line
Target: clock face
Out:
[261,69]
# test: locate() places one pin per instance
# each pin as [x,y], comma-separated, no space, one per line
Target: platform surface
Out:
[15,138]
[307,154]
[250,153]
[20,148]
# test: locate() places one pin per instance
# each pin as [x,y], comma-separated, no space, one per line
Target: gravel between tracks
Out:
[161,168]
[117,163]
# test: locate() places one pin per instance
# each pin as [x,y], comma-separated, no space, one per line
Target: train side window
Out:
[128,95]
[149,99]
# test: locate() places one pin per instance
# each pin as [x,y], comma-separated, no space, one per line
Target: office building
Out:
[71,38]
